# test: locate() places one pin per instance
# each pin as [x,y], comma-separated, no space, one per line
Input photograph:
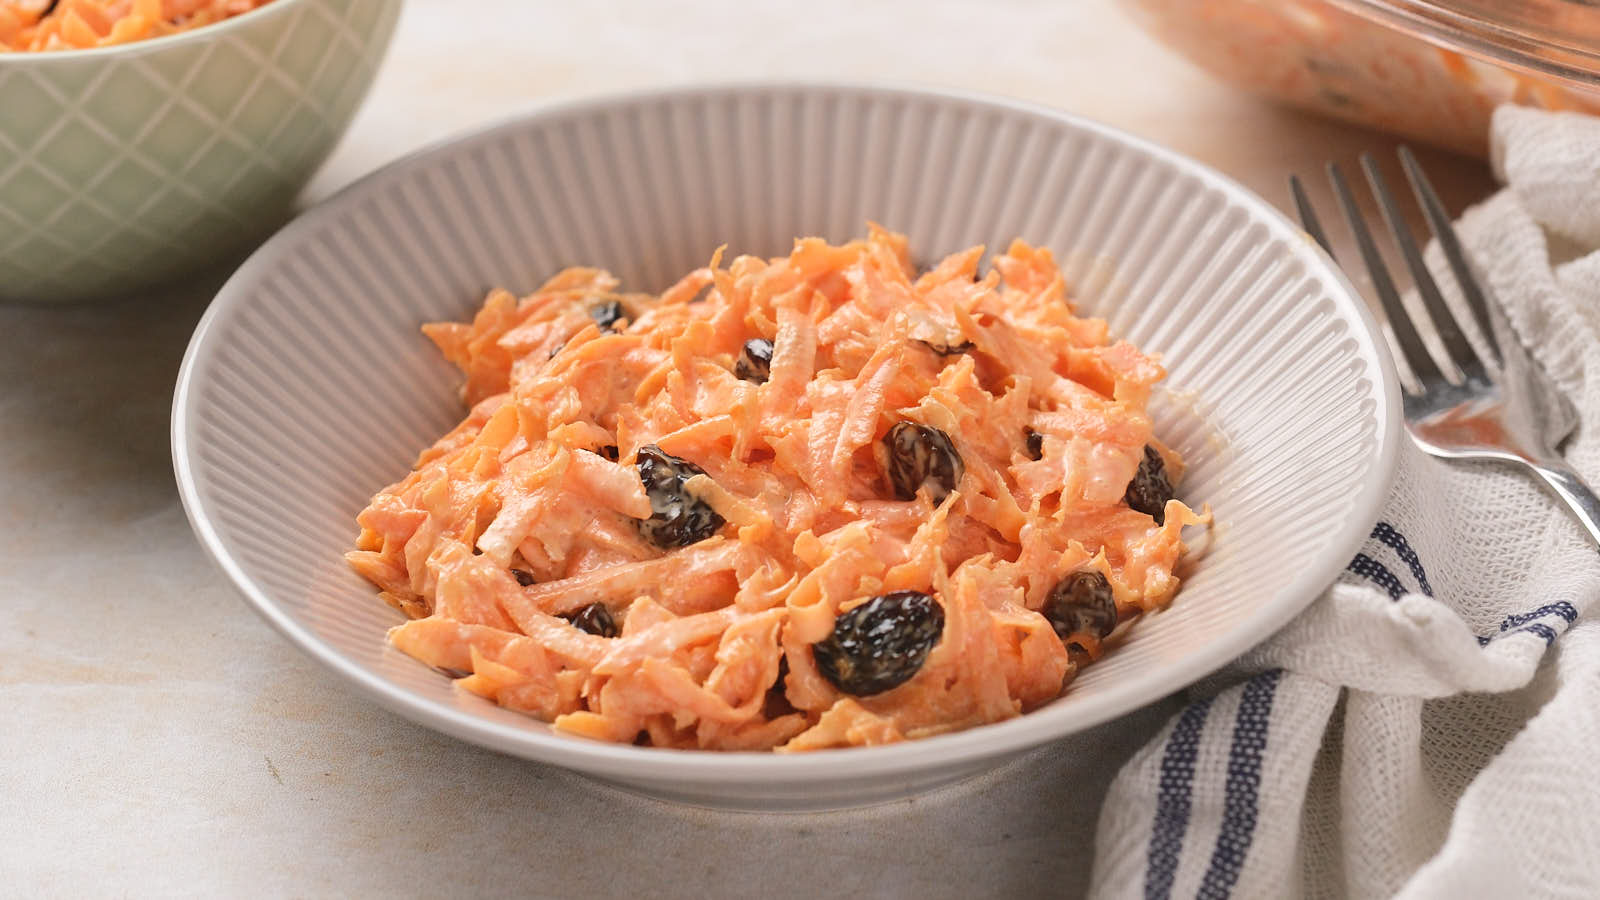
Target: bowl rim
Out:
[629,762]
[151,45]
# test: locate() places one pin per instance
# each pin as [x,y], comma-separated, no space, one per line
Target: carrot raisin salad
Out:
[82,24]
[814,501]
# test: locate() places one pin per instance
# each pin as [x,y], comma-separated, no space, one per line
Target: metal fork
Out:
[1508,410]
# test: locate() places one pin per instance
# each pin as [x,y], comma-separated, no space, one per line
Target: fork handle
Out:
[1570,487]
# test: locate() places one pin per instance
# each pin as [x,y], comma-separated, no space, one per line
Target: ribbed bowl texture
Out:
[129,165]
[307,386]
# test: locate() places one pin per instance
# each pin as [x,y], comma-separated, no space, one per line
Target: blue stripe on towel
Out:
[1377,573]
[1528,621]
[1544,631]
[1240,802]
[1396,541]
[1561,608]
[1173,800]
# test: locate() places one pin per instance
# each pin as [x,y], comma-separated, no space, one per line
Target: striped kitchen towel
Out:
[1430,726]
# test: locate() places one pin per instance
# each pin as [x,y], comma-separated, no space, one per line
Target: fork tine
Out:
[1450,243]
[1405,332]
[1308,215]
[1444,321]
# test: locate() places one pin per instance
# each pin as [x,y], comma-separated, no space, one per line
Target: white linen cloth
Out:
[1430,726]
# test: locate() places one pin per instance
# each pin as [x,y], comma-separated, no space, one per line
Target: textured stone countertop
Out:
[160,739]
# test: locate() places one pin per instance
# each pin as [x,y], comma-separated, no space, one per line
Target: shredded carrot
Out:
[523,546]
[38,25]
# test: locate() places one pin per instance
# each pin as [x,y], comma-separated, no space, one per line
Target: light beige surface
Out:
[160,739]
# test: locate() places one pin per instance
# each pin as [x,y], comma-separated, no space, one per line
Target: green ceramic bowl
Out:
[125,166]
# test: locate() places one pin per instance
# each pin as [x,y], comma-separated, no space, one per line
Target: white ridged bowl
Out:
[307,386]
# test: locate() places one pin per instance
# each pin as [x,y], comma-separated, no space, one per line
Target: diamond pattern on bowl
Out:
[33,200]
[29,111]
[124,167]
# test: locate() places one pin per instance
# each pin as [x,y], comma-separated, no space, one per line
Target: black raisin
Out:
[922,456]
[1150,489]
[948,349]
[607,313]
[881,643]
[595,619]
[1081,603]
[776,703]
[1035,443]
[677,518]
[523,576]
[755,361]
